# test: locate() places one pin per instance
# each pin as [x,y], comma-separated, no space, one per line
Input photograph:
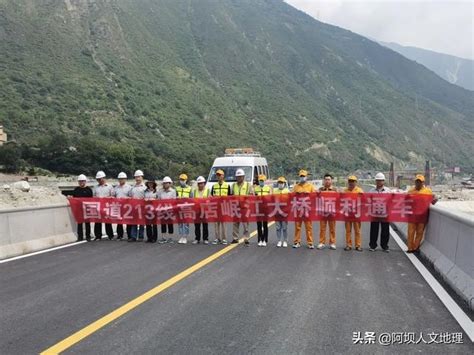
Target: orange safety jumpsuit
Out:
[323,223]
[304,188]
[353,225]
[416,230]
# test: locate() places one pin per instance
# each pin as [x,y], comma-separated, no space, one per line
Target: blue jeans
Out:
[282,230]
[134,229]
[183,229]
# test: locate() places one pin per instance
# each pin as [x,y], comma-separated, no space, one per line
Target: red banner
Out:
[393,207]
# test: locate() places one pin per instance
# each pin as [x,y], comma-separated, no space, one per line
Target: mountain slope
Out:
[456,70]
[166,85]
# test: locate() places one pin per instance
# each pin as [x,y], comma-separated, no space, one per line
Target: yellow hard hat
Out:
[352,178]
[183,177]
[220,172]
[420,177]
[262,177]
[303,173]
[281,179]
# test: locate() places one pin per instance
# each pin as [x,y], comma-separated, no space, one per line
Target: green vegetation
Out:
[167,85]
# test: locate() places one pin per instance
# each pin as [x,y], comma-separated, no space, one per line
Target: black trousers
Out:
[120,233]
[205,231]
[384,235]
[108,230]
[80,231]
[262,231]
[167,227]
[152,232]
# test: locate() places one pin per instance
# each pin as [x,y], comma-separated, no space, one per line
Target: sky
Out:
[445,26]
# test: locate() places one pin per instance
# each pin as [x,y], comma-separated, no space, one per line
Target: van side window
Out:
[255,175]
[266,172]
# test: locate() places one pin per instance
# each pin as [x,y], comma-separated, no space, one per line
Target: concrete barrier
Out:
[449,247]
[25,230]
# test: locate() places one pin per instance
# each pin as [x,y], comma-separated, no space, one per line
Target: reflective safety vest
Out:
[183,192]
[281,192]
[220,190]
[201,194]
[241,190]
[262,191]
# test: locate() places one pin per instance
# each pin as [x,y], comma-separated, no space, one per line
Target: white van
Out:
[247,159]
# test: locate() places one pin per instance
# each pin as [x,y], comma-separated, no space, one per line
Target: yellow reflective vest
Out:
[183,192]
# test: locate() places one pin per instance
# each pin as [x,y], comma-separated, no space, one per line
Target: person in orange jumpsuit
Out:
[302,187]
[416,230]
[353,188]
[327,187]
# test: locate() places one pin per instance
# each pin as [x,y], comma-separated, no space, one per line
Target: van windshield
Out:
[230,173]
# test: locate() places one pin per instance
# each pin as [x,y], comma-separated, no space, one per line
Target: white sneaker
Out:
[332,246]
[259,244]
[311,246]
[180,241]
[285,245]
[264,244]
[185,241]
[279,244]
[320,246]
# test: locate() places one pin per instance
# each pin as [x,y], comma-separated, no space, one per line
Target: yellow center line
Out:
[102,322]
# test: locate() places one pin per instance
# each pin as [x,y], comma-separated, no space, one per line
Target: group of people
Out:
[149,190]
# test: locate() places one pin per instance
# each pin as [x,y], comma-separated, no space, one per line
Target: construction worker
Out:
[121,191]
[262,226]
[201,192]
[102,190]
[303,187]
[150,195]
[137,192]
[83,191]
[183,191]
[281,226]
[327,187]
[353,188]
[379,188]
[220,189]
[416,230]
[241,188]
[167,193]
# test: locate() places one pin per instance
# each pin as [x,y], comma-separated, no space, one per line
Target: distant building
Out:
[3,136]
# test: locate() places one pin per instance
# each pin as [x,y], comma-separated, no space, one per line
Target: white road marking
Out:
[42,252]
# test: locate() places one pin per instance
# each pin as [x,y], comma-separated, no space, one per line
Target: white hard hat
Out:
[138,173]
[122,175]
[200,179]
[82,177]
[379,176]
[240,172]
[167,179]
[100,174]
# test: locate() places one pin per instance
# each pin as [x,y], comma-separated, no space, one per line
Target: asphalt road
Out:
[250,300]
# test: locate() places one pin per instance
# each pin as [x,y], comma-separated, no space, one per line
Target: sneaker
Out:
[296,245]
[132,240]
[215,241]
[320,246]
[206,242]
[358,249]
[224,241]
[332,247]
[285,244]
[311,246]
[234,241]
[259,244]
[184,241]
[279,244]
[386,250]
[347,248]
[170,240]
[264,244]
[371,249]
[196,242]
[162,241]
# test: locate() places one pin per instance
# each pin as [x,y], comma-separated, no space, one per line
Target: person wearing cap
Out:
[102,190]
[167,193]
[356,225]
[281,226]
[150,195]
[327,187]
[137,192]
[384,227]
[121,191]
[183,191]
[303,187]
[201,192]
[416,230]
[220,189]
[83,191]
[262,226]
[241,188]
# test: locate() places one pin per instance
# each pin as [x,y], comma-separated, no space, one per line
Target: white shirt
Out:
[103,190]
[121,191]
[137,191]
[383,190]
